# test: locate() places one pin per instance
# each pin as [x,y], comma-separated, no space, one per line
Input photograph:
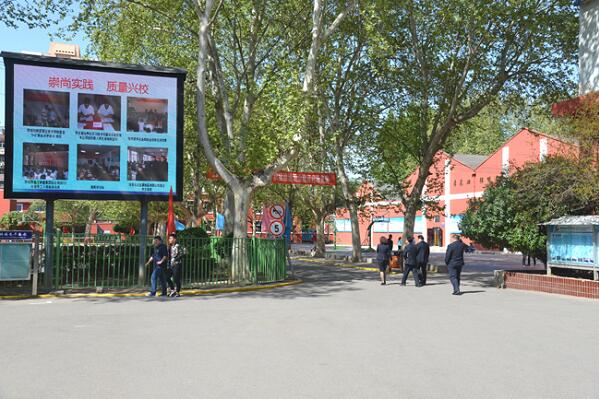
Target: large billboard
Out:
[91,130]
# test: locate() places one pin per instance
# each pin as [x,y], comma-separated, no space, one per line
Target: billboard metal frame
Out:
[12,59]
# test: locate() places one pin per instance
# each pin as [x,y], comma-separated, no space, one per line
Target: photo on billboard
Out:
[44,108]
[98,162]
[147,115]
[45,161]
[147,164]
[98,112]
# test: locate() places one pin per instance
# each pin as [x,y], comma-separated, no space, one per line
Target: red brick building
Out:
[453,181]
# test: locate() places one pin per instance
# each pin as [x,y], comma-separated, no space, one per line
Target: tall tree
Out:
[582,125]
[253,65]
[442,63]
[346,109]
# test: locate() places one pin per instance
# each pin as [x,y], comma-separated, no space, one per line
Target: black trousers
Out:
[168,273]
[174,273]
[422,267]
[454,276]
[410,268]
[177,274]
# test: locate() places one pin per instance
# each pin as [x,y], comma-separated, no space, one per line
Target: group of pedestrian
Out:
[168,266]
[415,260]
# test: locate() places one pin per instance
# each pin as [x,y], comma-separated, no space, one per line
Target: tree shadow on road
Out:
[317,281]
[323,281]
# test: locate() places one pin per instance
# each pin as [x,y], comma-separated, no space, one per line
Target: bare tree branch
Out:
[213,161]
[331,28]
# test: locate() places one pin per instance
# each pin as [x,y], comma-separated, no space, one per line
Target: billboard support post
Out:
[143,238]
[36,263]
[49,244]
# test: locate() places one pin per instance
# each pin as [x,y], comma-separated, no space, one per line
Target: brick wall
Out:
[552,284]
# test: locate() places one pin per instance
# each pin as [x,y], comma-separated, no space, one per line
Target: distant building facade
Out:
[64,50]
[454,180]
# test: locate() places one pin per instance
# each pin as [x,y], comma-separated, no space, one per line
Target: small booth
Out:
[19,257]
[573,243]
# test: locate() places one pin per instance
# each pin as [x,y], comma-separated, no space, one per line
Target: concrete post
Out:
[49,230]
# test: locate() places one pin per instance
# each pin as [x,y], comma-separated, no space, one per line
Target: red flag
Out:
[170,221]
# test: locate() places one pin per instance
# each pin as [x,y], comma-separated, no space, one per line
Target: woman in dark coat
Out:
[383,254]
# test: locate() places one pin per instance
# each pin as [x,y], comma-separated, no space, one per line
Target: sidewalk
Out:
[140,293]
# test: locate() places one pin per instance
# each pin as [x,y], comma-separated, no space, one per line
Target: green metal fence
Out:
[112,261]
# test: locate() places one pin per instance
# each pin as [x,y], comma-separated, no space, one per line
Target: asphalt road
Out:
[338,335]
[474,261]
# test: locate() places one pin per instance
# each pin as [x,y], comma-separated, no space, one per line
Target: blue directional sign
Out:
[380,219]
[16,235]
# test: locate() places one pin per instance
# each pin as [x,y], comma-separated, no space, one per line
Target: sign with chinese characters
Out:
[307,178]
[16,235]
[380,219]
[90,130]
[284,177]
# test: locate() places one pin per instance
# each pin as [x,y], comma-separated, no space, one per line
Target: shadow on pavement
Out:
[322,281]
[318,281]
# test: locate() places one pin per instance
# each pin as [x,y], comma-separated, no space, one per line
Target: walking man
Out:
[422,258]
[454,259]
[383,254]
[175,263]
[160,259]
[410,263]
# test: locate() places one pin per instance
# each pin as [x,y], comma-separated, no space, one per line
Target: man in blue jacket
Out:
[160,260]
[454,259]
[410,262]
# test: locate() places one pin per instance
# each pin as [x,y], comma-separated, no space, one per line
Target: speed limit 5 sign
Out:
[276,228]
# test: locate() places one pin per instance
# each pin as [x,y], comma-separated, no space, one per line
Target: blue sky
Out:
[25,39]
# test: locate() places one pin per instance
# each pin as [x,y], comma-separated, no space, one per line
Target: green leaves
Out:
[33,13]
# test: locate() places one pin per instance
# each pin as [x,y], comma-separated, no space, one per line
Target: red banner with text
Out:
[284,177]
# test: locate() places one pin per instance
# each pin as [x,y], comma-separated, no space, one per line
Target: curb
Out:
[197,292]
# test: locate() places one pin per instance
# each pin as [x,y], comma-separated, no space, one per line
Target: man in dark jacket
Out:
[410,263]
[454,259]
[422,257]
[175,253]
[383,254]
[160,259]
